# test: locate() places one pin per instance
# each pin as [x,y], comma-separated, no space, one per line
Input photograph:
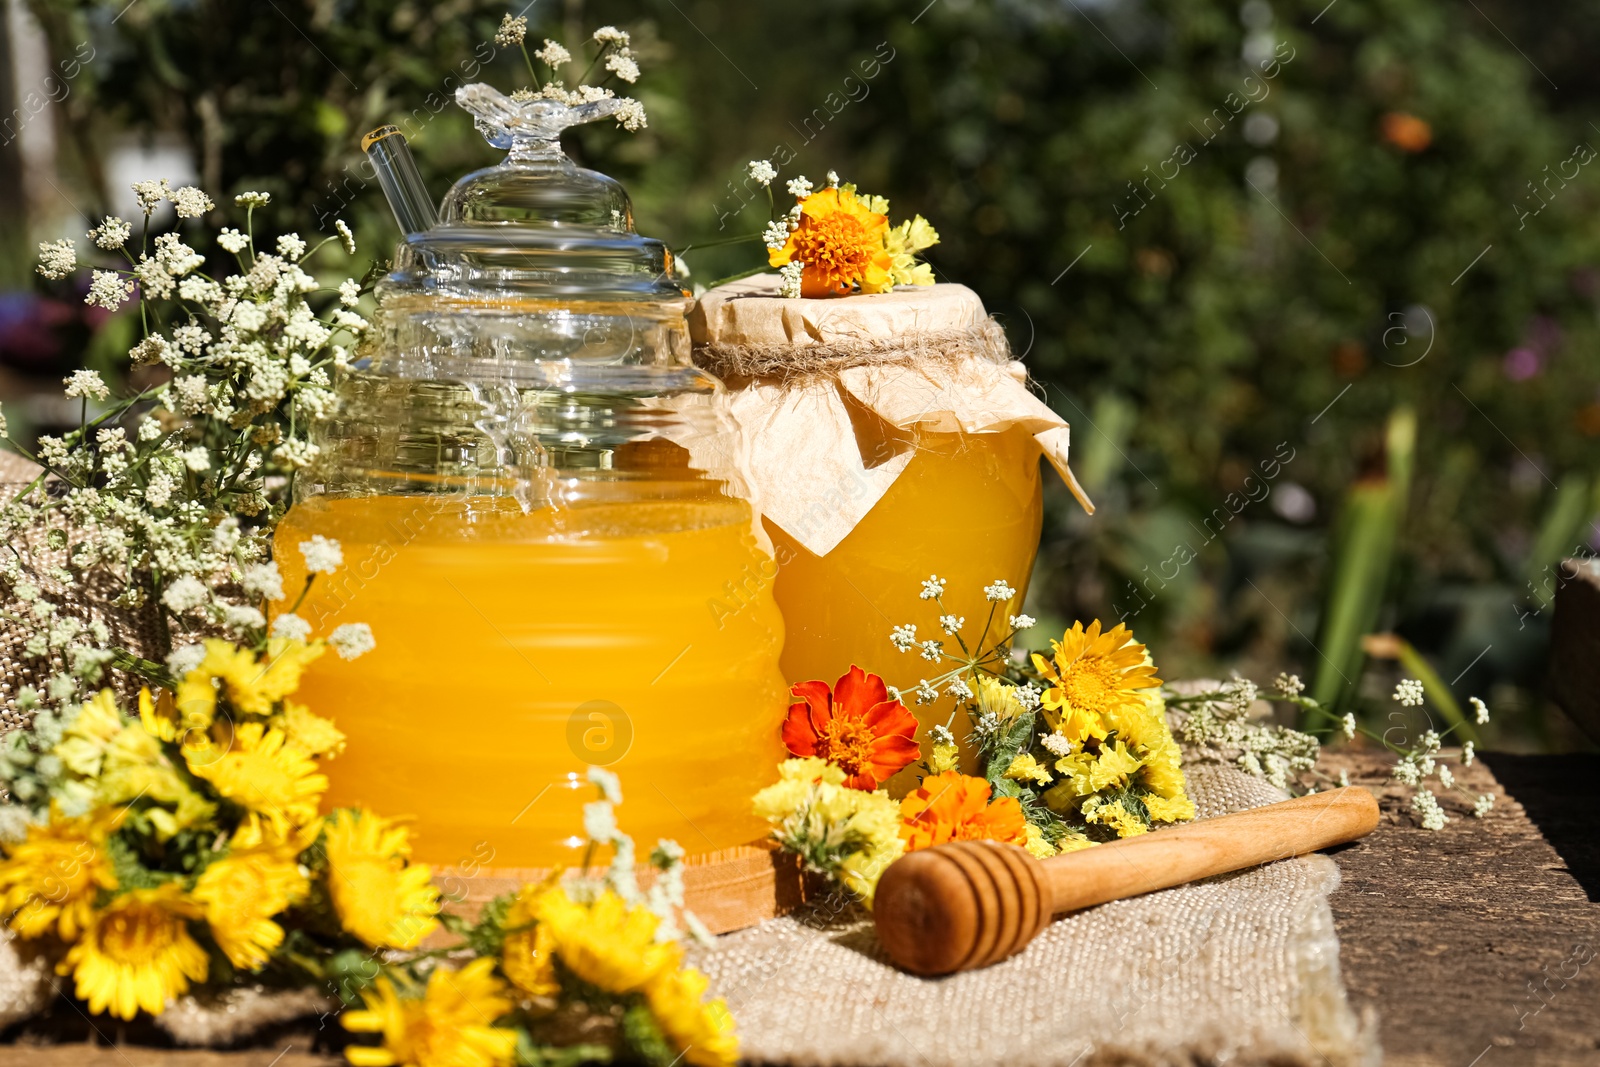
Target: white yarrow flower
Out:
[630,115]
[150,194]
[1056,744]
[291,246]
[185,659]
[931,651]
[1021,622]
[323,555]
[191,203]
[833,179]
[1484,805]
[512,31]
[999,591]
[799,188]
[87,384]
[959,689]
[351,640]
[1290,685]
[347,236]
[196,459]
[903,638]
[609,784]
[1028,695]
[290,626]
[57,259]
[112,233]
[951,623]
[932,587]
[185,594]
[108,290]
[1348,725]
[606,35]
[239,617]
[761,171]
[1426,806]
[553,54]
[599,821]
[1446,779]
[232,240]
[1468,753]
[1481,708]
[776,235]
[625,67]
[790,272]
[1409,693]
[253,199]
[349,292]
[263,580]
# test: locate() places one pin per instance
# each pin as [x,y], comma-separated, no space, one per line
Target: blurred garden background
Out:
[1315,283]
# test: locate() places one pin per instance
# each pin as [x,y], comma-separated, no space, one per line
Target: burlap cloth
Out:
[1238,969]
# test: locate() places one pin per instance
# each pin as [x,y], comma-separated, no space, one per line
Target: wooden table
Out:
[1467,941]
[1462,941]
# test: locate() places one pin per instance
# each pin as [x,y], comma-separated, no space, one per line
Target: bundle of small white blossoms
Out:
[162,500]
[614,55]
[1220,724]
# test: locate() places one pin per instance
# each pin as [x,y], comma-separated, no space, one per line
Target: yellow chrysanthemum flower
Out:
[278,782]
[607,943]
[1036,845]
[810,800]
[379,897]
[1072,841]
[50,880]
[137,953]
[1027,769]
[1115,815]
[241,893]
[309,731]
[1144,727]
[1168,809]
[996,698]
[702,1031]
[1089,773]
[448,1026]
[943,758]
[528,954]
[83,744]
[1092,673]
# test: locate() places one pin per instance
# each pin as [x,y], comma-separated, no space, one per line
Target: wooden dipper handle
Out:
[966,905]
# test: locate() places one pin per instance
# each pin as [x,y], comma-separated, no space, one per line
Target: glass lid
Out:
[537,227]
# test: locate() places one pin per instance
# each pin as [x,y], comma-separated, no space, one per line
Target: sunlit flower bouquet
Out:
[181,849]
[1074,748]
[161,501]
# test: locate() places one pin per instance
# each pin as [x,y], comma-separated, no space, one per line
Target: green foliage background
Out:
[1300,287]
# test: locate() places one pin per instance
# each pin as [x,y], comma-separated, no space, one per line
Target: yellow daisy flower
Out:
[527,956]
[135,767]
[309,731]
[137,953]
[83,744]
[50,880]
[241,893]
[251,686]
[379,897]
[702,1031]
[448,1026]
[607,943]
[278,782]
[1092,673]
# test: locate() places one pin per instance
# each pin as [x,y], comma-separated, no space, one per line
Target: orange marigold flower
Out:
[955,807]
[840,241]
[854,726]
[1406,132]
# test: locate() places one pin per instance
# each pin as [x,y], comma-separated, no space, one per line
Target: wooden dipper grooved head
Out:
[960,906]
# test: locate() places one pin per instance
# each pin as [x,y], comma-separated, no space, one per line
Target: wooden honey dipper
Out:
[962,906]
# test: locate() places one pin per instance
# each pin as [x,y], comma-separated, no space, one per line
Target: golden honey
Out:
[515,650]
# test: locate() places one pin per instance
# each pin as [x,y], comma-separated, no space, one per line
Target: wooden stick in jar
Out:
[966,905]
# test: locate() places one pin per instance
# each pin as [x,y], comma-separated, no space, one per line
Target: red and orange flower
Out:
[955,807]
[840,239]
[855,726]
